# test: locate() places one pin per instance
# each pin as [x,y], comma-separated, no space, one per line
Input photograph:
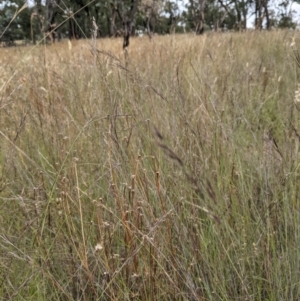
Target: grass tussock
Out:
[171,173]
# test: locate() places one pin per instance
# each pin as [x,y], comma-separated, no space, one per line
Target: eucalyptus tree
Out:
[149,11]
[285,14]
[238,11]
[52,10]
[126,10]
[14,20]
[171,8]
[197,8]
[43,19]
[261,13]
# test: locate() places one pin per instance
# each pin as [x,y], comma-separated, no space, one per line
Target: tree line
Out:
[76,19]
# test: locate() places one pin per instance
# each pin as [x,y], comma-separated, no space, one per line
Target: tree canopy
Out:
[86,18]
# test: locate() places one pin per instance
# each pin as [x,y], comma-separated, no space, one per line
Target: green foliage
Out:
[19,28]
[73,19]
[286,22]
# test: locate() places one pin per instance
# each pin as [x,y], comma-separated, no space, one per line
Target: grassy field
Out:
[171,173]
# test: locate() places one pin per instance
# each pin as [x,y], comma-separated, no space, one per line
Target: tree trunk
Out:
[72,29]
[112,19]
[50,27]
[259,16]
[267,14]
[39,16]
[200,23]
[128,23]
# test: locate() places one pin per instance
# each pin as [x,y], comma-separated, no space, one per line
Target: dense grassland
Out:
[171,173]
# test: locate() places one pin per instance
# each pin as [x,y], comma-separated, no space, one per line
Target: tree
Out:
[14,20]
[51,13]
[127,11]
[262,12]
[197,11]
[81,18]
[285,15]
[172,10]
[237,10]
[148,14]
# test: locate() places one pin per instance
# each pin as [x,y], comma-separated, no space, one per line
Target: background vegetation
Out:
[76,19]
[168,174]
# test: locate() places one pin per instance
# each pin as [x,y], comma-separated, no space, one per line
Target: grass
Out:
[168,174]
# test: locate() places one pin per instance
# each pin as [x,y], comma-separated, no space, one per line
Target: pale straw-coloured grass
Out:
[168,174]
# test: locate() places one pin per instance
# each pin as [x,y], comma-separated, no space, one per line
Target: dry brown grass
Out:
[167,174]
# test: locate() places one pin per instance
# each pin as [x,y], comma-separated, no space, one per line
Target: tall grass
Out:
[168,174]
